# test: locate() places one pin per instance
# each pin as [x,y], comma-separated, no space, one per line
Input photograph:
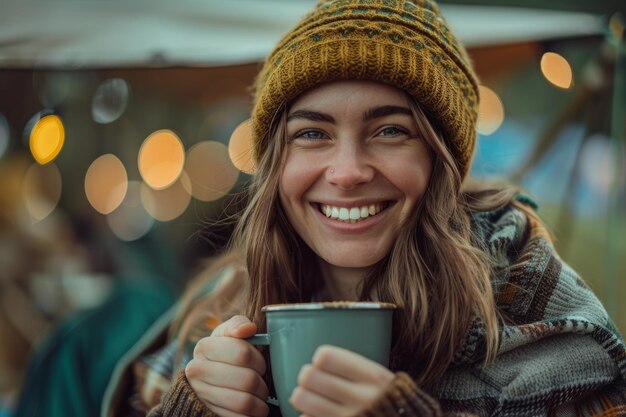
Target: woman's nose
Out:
[349,167]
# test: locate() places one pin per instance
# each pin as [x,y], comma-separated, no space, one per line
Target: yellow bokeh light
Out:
[240,149]
[490,111]
[161,159]
[210,170]
[167,204]
[47,138]
[557,70]
[41,190]
[106,183]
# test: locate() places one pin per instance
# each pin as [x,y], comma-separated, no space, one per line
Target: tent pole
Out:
[618,131]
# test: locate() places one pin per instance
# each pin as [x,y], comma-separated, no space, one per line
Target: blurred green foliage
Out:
[583,243]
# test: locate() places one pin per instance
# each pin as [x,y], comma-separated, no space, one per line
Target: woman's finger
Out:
[237,326]
[222,412]
[227,376]
[351,366]
[231,351]
[313,404]
[336,388]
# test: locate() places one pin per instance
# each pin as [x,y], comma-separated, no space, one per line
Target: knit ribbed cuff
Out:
[403,398]
[181,400]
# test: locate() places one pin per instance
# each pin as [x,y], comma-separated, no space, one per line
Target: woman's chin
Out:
[348,259]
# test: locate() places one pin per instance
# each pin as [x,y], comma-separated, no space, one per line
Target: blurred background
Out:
[123,131]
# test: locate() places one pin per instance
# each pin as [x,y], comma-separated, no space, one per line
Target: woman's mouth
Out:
[352,214]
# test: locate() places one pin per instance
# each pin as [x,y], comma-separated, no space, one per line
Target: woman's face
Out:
[355,169]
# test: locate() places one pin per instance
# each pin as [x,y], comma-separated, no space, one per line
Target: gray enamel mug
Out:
[295,331]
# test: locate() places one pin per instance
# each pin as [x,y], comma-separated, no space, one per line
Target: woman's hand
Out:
[225,371]
[339,383]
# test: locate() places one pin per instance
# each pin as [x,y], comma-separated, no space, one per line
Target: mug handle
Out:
[262,339]
[259,339]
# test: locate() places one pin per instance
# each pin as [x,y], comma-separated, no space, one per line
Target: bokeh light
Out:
[5,135]
[106,183]
[616,25]
[168,204]
[47,138]
[130,220]
[557,70]
[240,147]
[110,100]
[210,170]
[161,159]
[490,112]
[41,190]
[596,162]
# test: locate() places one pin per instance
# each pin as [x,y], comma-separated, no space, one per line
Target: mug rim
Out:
[330,305]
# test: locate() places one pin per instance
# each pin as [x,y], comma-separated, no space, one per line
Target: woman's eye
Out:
[392,131]
[310,134]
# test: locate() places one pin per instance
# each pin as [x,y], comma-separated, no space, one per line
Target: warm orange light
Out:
[210,170]
[490,112]
[557,70]
[161,159]
[41,190]
[167,204]
[240,149]
[47,138]
[106,183]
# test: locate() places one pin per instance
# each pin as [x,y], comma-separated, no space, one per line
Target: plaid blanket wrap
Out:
[560,355]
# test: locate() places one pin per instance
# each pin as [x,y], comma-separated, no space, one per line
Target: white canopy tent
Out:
[141,33]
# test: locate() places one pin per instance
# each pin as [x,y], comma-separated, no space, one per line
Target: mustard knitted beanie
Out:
[399,42]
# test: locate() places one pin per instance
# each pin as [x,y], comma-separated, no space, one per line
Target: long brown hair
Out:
[437,273]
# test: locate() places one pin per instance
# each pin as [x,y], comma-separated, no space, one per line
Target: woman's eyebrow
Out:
[382,111]
[311,115]
[369,115]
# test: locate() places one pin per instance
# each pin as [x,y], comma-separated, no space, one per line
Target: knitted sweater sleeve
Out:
[181,401]
[403,398]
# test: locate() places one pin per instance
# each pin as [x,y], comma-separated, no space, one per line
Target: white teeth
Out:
[353,214]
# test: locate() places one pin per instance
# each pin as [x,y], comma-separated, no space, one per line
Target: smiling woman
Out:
[363,132]
[366,134]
